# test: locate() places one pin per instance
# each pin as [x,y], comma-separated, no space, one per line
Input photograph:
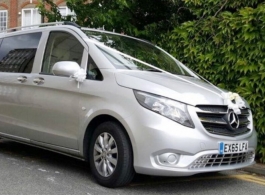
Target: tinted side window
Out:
[93,72]
[61,46]
[17,53]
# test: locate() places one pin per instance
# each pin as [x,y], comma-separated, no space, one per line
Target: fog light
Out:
[172,159]
[168,159]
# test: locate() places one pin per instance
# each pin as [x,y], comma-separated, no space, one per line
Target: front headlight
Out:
[169,108]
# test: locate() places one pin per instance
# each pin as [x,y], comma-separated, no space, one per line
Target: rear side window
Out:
[17,53]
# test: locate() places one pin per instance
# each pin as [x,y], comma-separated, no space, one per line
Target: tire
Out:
[111,161]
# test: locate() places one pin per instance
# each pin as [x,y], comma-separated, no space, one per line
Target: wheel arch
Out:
[93,125]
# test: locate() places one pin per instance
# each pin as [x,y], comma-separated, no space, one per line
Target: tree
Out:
[226,44]
[146,19]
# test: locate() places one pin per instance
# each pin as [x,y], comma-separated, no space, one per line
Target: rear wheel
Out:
[111,158]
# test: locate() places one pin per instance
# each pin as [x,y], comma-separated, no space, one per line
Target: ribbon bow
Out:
[239,103]
[79,76]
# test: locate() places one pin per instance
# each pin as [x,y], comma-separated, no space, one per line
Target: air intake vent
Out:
[220,160]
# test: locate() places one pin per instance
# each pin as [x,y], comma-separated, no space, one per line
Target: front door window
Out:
[61,46]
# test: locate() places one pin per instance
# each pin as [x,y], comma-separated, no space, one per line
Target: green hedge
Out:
[228,49]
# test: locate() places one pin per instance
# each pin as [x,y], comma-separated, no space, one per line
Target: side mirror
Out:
[65,68]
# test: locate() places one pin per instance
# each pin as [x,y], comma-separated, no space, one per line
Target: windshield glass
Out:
[139,49]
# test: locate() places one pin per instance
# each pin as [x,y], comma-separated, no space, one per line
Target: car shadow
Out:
[30,153]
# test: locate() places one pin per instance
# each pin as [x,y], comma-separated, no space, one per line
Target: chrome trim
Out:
[213,122]
[198,110]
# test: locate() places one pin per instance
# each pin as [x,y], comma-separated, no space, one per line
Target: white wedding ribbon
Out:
[154,67]
[239,103]
[227,97]
[79,76]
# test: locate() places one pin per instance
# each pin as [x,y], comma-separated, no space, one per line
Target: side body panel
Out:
[54,112]
[15,100]
[16,60]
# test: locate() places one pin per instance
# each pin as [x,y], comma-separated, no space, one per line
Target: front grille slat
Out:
[244,123]
[213,122]
[244,111]
[227,132]
[243,119]
[220,160]
[212,109]
[246,115]
[212,118]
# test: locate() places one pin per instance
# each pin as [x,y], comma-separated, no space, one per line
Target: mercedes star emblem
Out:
[233,120]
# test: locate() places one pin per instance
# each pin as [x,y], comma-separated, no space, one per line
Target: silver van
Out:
[123,104]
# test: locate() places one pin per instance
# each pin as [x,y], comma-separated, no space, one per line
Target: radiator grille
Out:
[220,160]
[212,118]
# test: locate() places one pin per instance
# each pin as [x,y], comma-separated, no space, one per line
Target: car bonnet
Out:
[190,90]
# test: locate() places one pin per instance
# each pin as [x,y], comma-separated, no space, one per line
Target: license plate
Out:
[233,147]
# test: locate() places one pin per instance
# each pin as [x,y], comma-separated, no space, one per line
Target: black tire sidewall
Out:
[124,153]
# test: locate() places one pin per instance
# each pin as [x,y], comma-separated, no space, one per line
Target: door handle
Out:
[22,79]
[38,81]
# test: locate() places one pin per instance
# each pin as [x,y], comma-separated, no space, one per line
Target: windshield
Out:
[139,49]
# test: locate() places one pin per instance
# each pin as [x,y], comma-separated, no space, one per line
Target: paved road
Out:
[30,171]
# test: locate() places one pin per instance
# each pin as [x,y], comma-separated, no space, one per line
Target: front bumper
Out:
[153,135]
[191,165]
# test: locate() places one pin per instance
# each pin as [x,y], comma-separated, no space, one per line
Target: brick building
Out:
[15,13]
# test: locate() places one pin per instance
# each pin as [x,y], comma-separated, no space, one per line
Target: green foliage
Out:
[146,19]
[53,14]
[226,45]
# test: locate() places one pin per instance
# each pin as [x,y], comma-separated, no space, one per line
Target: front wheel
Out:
[111,158]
